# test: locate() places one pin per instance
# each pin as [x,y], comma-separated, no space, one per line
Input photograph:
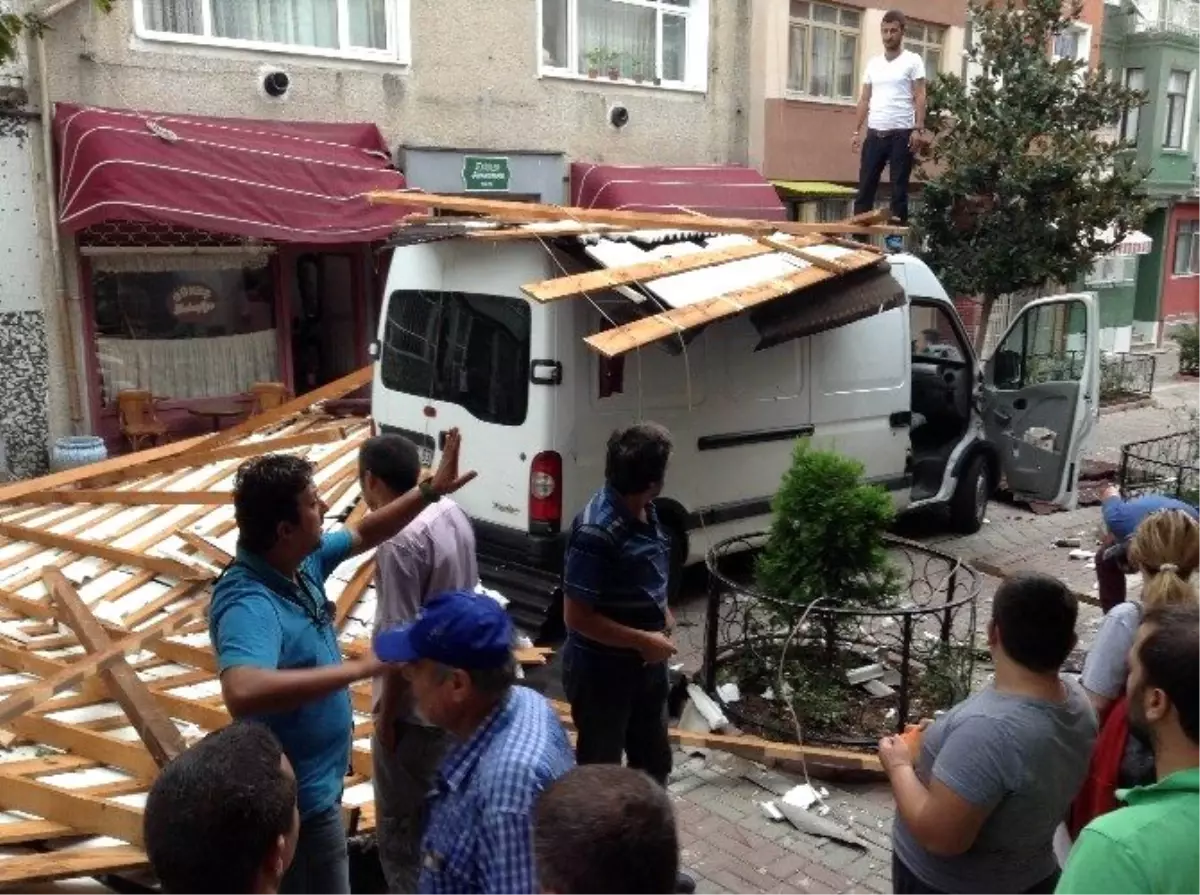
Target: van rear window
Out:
[465,348]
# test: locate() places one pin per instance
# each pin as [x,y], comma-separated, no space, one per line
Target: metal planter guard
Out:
[935,614]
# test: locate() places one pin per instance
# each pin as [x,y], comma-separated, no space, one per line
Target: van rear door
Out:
[1040,394]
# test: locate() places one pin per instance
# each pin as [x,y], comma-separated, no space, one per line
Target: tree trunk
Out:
[987,302]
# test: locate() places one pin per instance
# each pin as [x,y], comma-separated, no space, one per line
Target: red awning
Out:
[715,190]
[273,180]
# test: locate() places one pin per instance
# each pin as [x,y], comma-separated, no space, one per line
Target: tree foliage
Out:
[14,24]
[1020,183]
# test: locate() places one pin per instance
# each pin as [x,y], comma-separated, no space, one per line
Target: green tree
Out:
[14,24]
[1020,184]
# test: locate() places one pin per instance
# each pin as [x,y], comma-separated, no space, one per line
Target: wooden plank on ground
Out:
[196,459]
[34,694]
[167,567]
[596,280]
[157,731]
[85,813]
[70,863]
[522,212]
[130,498]
[620,339]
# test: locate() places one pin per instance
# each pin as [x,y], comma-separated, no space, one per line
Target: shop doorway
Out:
[324,306]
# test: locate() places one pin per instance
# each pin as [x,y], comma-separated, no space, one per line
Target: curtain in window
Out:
[617,35]
[797,57]
[173,16]
[823,60]
[305,23]
[187,368]
[368,23]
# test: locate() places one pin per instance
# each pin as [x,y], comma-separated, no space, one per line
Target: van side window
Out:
[934,337]
[464,348]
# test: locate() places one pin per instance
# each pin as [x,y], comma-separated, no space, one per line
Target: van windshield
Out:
[468,349]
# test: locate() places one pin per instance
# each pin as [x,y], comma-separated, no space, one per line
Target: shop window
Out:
[823,49]
[1187,249]
[463,348]
[360,28]
[1112,270]
[184,333]
[652,41]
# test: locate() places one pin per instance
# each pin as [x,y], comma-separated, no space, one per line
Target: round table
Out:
[217,411]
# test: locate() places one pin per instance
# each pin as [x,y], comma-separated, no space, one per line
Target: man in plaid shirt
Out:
[510,746]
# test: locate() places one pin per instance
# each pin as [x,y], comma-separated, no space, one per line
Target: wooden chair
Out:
[268,396]
[139,423]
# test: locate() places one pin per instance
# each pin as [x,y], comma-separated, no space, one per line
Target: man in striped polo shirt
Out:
[618,624]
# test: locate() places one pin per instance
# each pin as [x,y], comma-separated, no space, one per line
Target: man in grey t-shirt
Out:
[996,774]
[433,555]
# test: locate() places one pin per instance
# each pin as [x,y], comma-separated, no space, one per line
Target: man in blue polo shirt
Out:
[1121,519]
[509,744]
[615,581]
[277,652]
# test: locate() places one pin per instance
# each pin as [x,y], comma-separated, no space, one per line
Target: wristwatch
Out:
[428,493]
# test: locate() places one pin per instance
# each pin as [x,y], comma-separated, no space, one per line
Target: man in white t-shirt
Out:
[892,107]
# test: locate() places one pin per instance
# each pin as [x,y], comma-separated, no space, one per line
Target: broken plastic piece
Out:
[729,692]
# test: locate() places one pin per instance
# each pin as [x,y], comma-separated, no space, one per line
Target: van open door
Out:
[1040,394]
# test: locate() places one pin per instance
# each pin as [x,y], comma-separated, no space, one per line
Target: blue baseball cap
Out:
[459,628]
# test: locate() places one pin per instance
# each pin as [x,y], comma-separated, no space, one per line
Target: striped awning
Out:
[1135,242]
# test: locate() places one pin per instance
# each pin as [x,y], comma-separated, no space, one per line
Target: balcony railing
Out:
[1172,16]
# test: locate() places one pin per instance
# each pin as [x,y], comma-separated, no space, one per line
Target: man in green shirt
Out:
[1153,844]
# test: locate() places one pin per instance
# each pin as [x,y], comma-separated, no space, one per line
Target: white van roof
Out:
[916,277]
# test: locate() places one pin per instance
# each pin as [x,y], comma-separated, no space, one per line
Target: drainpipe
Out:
[66,299]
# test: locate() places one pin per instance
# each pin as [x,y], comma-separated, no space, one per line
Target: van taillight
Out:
[545,493]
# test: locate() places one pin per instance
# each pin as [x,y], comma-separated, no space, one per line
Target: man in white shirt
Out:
[892,106]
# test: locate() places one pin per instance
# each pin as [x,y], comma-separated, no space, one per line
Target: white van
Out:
[459,344]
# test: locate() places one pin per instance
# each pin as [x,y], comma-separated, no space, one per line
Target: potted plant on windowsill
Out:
[614,66]
[638,71]
[596,58]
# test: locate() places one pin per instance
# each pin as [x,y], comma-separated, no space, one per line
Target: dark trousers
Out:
[1110,577]
[879,150]
[322,862]
[619,706]
[905,882]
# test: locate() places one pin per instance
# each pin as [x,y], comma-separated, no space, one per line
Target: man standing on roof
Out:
[273,631]
[892,106]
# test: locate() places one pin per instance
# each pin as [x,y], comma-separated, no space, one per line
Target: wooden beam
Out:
[130,498]
[597,280]
[68,864]
[157,731]
[34,694]
[353,591]
[522,212]
[204,546]
[166,567]
[126,755]
[827,264]
[196,459]
[85,813]
[620,339]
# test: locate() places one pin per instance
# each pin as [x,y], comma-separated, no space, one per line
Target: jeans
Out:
[403,778]
[885,149]
[619,706]
[905,882]
[322,863]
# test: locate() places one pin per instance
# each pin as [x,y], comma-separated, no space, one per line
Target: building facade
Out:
[1153,45]
[506,99]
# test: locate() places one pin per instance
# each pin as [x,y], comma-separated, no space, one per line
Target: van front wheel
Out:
[968,506]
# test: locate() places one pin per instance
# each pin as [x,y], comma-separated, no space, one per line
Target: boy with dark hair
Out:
[221,817]
[978,807]
[273,631]
[434,554]
[615,582]
[1153,844]
[605,828]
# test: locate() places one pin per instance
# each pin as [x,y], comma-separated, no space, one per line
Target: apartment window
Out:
[1187,249]
[356,28]
[823,50]
[1135,79]
[653,41]
[826,211]
[1177,97]
[927,41]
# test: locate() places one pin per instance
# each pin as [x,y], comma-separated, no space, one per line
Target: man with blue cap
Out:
[509,744]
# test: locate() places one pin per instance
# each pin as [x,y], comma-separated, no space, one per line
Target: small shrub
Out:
[1188,339]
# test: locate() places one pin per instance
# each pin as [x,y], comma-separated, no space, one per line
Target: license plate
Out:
[426,455]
